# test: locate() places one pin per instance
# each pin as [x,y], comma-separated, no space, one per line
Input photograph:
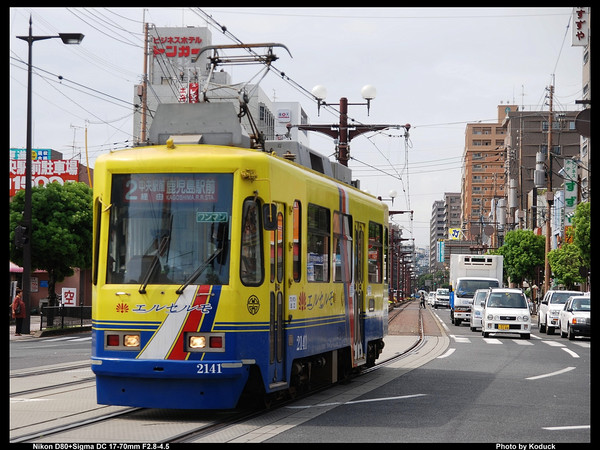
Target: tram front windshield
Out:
[169,229]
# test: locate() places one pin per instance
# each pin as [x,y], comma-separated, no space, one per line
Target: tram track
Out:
[198,425]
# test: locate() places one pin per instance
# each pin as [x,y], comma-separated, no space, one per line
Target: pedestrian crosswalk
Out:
[68,338]
[462,339]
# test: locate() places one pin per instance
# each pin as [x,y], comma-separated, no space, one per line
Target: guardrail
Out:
[65,317]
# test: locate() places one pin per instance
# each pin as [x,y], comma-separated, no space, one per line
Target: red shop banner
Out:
[42,173]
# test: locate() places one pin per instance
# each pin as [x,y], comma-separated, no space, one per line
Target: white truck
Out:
[467,274]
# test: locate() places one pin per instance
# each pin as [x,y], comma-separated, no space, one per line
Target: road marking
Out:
[521,342]
[441,321]
[401,397]
[448,353]
[582,344]
[461,339]
[554,343]
[572,427]
[571,352]
[26,400]
[492,341]
[558,372]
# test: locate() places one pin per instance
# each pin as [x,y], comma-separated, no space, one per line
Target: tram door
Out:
[359,289]
[277,299]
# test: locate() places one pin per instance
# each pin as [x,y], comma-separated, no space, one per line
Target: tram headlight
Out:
[131,340]
[122,340]
[204,342]
[197,342]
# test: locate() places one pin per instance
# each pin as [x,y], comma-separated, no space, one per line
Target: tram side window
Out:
[375,252]
[251,259]
[317,264]
[342,243]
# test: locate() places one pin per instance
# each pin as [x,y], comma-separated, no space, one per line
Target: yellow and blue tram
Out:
[223,272]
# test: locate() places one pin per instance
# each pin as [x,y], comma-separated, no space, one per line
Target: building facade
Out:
[483,178]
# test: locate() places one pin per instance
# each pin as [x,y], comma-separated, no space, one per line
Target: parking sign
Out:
[69,296]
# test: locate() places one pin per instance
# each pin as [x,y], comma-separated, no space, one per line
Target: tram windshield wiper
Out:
[162,248]
[164,242]
[198,271]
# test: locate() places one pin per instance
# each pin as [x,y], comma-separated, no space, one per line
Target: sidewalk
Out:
[34,327]
[35,332]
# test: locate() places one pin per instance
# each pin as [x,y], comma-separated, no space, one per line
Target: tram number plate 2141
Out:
[208,368]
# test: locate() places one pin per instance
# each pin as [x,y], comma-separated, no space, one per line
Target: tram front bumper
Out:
[170,384]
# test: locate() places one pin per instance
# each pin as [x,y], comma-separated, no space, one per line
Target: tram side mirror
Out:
[270,216]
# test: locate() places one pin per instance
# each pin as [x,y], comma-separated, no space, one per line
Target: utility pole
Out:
[549,197]
[144,86]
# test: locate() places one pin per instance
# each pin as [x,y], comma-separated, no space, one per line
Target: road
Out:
[495,390]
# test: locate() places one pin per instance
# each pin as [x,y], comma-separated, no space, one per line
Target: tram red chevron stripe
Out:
[192,323]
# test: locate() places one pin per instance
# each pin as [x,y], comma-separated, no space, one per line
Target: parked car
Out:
[552,303]
[442,298]
[574,319]
[477,308]
[506,311]
[431,298]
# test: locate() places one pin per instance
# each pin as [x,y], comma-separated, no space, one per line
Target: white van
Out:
[506,311]
[442,298]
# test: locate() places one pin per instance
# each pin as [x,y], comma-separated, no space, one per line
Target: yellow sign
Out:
[453,233]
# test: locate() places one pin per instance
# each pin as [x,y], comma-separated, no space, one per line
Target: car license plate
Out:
[503,326]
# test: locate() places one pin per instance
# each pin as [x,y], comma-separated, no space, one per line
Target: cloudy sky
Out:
[436,69]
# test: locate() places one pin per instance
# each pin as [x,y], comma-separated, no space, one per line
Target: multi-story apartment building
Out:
[436,233]
[445,214]
[483,178]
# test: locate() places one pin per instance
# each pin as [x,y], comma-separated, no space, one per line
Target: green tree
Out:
[523,253]
[570,262]
[61,232]
[581,234]
[565,263]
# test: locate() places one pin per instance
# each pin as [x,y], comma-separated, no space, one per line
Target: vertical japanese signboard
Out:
[69,296]
[581,26]
[570,170]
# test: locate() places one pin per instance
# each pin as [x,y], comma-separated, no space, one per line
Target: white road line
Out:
[401,397]
[571,352]
[521,342]
[492,341]
[582,344]
[554,343]
[462,339]
[572,427]
[448,353]
[558,372]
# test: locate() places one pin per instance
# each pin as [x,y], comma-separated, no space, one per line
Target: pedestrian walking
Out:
[422,304]
[18,312]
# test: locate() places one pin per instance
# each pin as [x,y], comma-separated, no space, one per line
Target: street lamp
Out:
[342,131]
[67,38]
